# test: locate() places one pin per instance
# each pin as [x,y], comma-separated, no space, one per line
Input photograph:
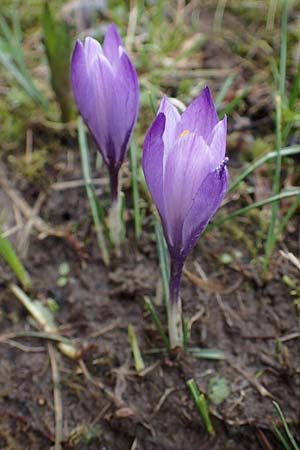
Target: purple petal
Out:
[152,161]
[187,166]
[200,117]
[218,141]
[101,99]
[111,44]
[126,105]
[93,89]
[206,202]
[172,119]
[92,49]
[79,78]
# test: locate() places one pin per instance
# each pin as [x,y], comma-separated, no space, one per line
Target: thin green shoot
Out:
[37,335]
[136,352]
[13,37]
[280,437]
[201,405]
[11,56]
[150,308]
[276,185]
[12,260]
[163,262]
[152,102]
[271,14]
[44,318]
[287,151]
[287,217]
[290,116]
[20,77]
[96,209]
[234,103]
[224,90]
[286,428]
[246,209]
[295,89]
[57,44]
[207,353]
[135,190]
[283,48]
[279,99]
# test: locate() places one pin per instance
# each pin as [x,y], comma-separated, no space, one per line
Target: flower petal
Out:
[206,202]
[218,141]
[80,79]
[101,97]
[200,117]
[172,119]
[152,161]
[187,166]
[92,49]
[126,105]
[111,44]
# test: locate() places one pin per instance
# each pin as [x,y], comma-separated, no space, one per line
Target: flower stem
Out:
[115,222]
[114,183]
[115,225]
[175,313]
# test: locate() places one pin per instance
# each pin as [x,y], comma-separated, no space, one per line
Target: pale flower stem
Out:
[115,225]
[175,313]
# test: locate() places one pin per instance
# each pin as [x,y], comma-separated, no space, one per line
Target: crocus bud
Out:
[105,86]
[184,164]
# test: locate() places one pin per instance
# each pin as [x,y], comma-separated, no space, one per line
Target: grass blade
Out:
[150,308]
[135,190]
[45,319]
[246,209]
[280,437]
[57,43]
[201,405]
[23,80]
[287,217]
[223,91]
[10,257]
[234,103]
[271,239]
[207,353]
[285,426]
[11,56]
[283,48]
[279,99]
[294,94]
[96,209]
[287,151]
[152,102]
[163,262]
[136,352]
[13,38]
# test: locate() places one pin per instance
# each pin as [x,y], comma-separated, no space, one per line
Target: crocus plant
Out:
[105,87]
[184,164]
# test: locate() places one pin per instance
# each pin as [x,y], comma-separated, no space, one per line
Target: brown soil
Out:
[244,323]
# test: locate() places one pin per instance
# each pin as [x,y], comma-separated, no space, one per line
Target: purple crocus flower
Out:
[184,164]
[105,86]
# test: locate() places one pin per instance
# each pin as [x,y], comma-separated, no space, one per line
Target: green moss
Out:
[14,112]
[32,168]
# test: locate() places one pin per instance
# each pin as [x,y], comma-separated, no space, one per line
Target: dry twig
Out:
[58,406]
[252,380]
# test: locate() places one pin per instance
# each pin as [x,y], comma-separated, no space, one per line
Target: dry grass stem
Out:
[58,405]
